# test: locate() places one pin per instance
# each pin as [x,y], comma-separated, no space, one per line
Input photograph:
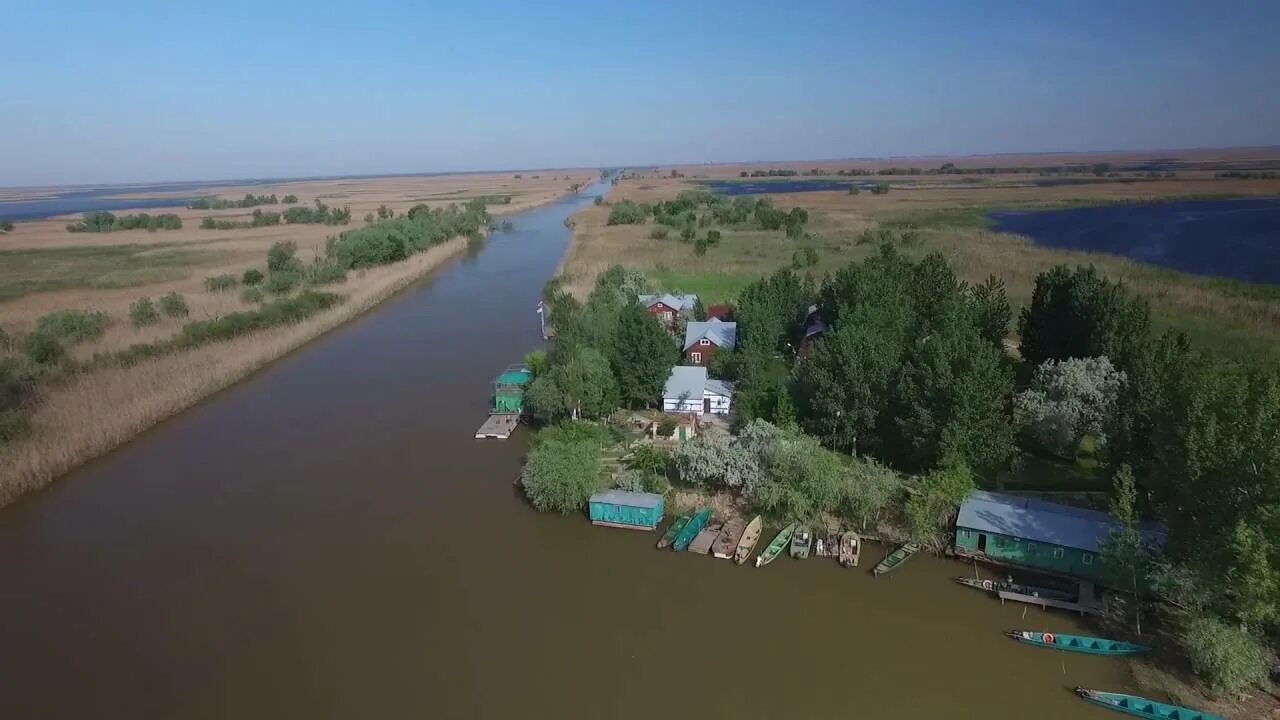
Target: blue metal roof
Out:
[1040,521]
[628,498]
[723,334]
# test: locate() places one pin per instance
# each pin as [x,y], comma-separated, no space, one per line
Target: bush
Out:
[289,199]
[1227,658]
[658,233]
[252,277]
[44,349]
[73,326]
[221,283]
[143,312]
[174,305]
[324,272]
[6,226]
[251,295]
[804,257]
[278,312]
[686,235]
[280,258]
[561,475]
[283,282]
[627,213]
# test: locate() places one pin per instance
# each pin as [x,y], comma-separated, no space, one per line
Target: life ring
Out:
[986,584]
[1047,638]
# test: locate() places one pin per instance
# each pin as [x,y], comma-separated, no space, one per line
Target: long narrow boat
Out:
[670,535]
[896,558]
[727,542]
[850,549]
[747,543]
[1078,643]
[1142,707]
[996,586]
[776,545]
[691,530]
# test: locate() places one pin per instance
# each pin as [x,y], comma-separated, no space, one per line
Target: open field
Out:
[933,213]
[98,400]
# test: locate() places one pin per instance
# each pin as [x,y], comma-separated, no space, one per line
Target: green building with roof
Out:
[509,389]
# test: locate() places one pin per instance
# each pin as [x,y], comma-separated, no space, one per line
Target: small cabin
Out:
[626,509]
[509,388]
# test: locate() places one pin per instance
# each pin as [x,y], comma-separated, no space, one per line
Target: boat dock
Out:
[1088,601]
[499,426]
[702,543]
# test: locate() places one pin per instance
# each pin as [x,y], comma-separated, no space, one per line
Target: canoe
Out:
[701,544]
[776,546]
[669,536]
[896,558]
[728,539]
[997,586]
[747,543]
[1142,707]
[1078,643]
[850,549]
[691,530]
[801,541]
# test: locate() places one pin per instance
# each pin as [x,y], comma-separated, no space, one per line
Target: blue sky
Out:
[144,91]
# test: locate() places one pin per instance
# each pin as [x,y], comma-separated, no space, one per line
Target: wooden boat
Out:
[828,546]
[701,544]
[1078,643]
[896,558]
[997,586]
[747,543]
[1142,707]
[669,536]
[776,545]
[728,539]
[801,542]
[850,549]
[691,530]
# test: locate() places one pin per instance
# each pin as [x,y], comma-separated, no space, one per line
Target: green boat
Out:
[1142,707]
[776,546]
[1078,643]
[670,535]
[896,558]
[691,530]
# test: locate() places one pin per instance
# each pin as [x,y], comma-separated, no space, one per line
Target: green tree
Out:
[1082,314]
[1229,659]
[1126,553]
[174,305]
[281,257]
[560,476]
[936,499]
[580,384]
[989,303]
[643,354]
[252,277]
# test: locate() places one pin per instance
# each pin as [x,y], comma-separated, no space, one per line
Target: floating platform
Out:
[498,426]
[1089,603]
[701,544]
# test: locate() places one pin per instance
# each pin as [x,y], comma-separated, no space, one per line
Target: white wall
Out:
[719,403]
[689,405]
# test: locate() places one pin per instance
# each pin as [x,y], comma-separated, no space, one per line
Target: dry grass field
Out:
[82,412]
[945,214]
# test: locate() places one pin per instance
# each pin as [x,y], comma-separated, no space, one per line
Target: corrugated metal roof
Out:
[687,381]
[723,334]
[675,302]
[719,387]
[628,498]
[1041,521]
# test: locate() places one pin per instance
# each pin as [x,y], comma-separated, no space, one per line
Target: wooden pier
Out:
[498,426]
[1089,603]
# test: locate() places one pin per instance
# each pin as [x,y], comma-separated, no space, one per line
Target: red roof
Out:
[723,312]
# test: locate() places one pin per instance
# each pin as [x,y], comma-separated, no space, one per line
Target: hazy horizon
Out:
[147,93]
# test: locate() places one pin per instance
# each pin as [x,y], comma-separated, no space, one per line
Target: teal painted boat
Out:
[1142,707]
[776,545]
[691,530]
[1078,643]
[669,536]
[896,558]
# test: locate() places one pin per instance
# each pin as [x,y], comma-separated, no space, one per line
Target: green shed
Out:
[1011,530]
[626,509]
[508,389]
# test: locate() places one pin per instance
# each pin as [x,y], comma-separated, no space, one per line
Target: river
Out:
[325,540]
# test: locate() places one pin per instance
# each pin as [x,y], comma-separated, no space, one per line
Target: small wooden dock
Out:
[702,543]
[498,426]
[1089,603]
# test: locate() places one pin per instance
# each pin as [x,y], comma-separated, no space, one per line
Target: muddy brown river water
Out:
[325,540]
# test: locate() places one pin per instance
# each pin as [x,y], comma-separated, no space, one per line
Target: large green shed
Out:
[626,509]
[1044,536]
[508,389]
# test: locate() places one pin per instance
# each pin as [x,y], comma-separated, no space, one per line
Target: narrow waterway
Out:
[325,540]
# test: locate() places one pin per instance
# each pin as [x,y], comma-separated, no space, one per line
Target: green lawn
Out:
[1043,472]
[711,287]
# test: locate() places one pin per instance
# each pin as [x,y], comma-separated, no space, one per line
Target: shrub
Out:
[687,233]
[6,226]
[323,272]
[143,312]
[283,282]
[278,312]
[251,295]
[658,233]
[713,237]
[561,475]
[289,199]
[44,349]
[174,305]
[221,283]
[280,258]
[1226,657]
[73,326]
[627,213]
[599,200]
[252,277]
[804,257]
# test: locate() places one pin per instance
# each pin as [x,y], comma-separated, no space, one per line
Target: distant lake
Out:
[1237,239]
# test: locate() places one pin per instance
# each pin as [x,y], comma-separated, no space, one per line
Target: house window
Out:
[704,341]
[1087,559]
[1057,553]
[696,357]
[666,316]
[964,534]
[1031,548]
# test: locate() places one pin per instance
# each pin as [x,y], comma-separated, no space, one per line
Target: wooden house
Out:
[1047,537]
[626,509]
[669,308]
[702,340]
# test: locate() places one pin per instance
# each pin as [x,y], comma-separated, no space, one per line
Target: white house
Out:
[689,390]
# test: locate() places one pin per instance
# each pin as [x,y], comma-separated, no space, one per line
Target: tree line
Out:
[258,219]
[249,200]
[319,214]
[101,222]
